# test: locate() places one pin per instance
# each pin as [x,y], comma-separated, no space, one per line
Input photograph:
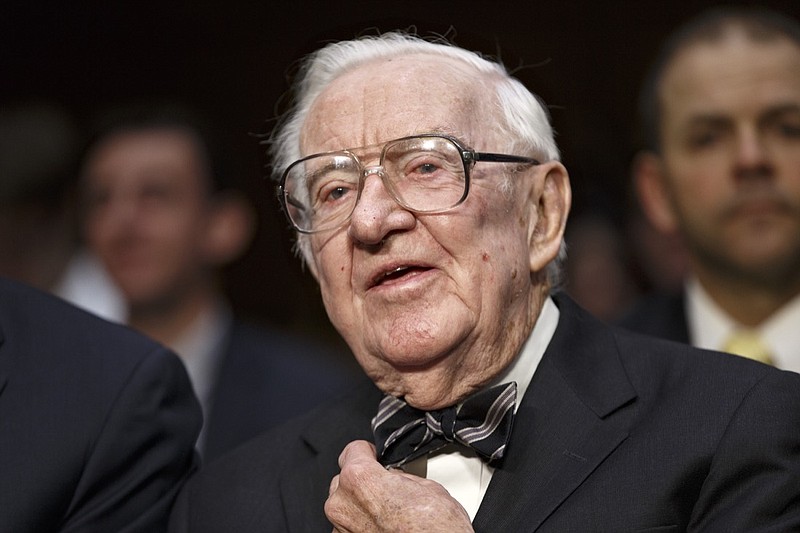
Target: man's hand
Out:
[365,497]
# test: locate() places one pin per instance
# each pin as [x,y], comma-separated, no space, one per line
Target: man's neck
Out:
[168,321]
[748,303]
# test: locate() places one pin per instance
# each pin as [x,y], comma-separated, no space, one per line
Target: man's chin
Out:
[426,382]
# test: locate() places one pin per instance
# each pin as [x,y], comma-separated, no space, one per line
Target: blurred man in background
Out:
[721,117]
[40,144]
[159,215]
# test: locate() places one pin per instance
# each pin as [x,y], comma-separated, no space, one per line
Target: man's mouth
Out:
[760,207]
[397,273]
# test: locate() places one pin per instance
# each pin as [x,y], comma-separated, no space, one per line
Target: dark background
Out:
[232,60]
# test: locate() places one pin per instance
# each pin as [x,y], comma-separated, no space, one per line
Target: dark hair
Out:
[760,24]
[40,145]
[143,117]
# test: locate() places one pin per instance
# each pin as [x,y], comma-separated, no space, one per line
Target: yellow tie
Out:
[748,343]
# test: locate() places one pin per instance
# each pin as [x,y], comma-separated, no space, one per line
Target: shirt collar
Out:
[524,365]
[200,348]
[710,326]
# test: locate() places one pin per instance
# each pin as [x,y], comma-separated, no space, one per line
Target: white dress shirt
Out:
[465,476]
[86,284]
[200,349]
[710,326]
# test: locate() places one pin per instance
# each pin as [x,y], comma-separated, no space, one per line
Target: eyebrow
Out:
[773,111]
[324,169]
[708,119]
[438,130]
[780,110]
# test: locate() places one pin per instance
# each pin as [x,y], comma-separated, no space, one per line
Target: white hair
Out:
[525,120]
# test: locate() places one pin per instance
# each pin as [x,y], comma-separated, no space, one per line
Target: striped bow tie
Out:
[482,422]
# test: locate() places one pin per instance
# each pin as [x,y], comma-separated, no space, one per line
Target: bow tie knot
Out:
[443,423]
[482,422]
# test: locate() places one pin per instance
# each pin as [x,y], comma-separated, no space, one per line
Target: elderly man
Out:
[426,188]
[721,114]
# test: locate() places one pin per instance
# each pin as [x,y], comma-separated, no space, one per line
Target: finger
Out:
[333,486]
[356,451]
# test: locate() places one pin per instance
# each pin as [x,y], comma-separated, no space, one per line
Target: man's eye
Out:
[424,165]
[427,168]
[333,192]
[789,129]
[701,140]
[337,193]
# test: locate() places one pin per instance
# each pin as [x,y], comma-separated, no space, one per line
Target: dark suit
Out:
[659,315]
[97,423]
[266,378]
[616,432]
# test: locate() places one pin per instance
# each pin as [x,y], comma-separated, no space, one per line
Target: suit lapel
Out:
[304,487]
[568,422]
[305,490]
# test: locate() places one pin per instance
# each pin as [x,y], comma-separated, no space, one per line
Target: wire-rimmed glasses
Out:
[426,173]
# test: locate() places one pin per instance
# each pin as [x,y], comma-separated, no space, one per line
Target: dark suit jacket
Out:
[265,378]
[659,315]
[617,432]
[97,423]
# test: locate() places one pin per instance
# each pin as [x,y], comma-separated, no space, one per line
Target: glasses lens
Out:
[426,174]
[321,191]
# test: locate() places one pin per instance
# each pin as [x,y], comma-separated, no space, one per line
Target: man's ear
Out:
[230,228]
[550,202]
[649,180]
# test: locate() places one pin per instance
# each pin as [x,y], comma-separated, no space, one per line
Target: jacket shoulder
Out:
[660,315]
[280,476]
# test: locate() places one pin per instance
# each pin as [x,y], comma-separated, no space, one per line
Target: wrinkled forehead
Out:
[385,99]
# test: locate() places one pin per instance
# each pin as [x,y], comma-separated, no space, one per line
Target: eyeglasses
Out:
[426,173]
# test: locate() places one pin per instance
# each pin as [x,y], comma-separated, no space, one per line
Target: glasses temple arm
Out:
[501,158]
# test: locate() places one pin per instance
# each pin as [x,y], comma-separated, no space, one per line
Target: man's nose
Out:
[752,154]
[377,213]
[120,213]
